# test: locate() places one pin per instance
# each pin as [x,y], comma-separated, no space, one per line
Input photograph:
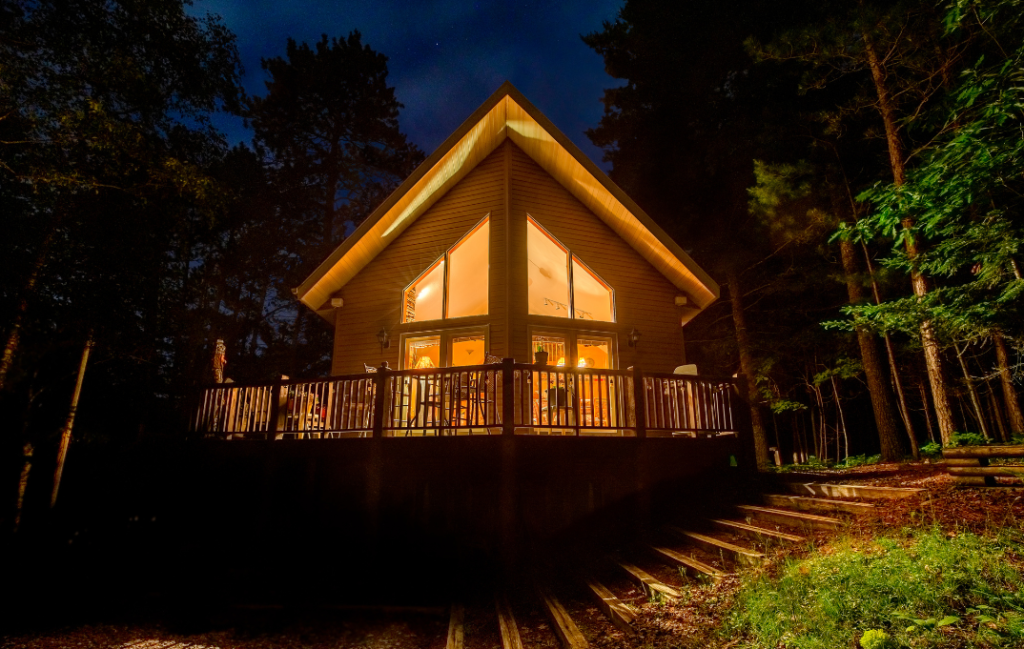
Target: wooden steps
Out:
[620,614]
[735,553]
[566,630]
[689,564]
[791,518]
[807,503]
[649,583]
[507,625]
[852,491]
[760,533]
[456,628]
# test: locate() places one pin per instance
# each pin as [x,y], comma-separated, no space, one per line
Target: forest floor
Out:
[698,620]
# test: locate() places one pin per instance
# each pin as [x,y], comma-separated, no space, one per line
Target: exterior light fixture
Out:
[634,337]
[383,339]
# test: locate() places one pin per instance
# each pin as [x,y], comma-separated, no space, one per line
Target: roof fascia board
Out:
[713,290]
[302,291]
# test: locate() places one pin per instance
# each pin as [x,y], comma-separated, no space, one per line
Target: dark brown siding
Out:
[373,297]
[644,298]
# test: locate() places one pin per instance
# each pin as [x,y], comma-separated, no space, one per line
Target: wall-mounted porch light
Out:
[383,339]
[634,337]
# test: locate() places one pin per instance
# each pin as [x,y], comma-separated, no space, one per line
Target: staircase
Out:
[704,551]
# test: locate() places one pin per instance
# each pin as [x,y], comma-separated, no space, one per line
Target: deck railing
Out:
[502,398]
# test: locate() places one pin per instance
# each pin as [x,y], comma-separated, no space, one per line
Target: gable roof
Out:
[506,114]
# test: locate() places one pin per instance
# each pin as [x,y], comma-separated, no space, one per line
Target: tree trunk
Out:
[1006,379]
[927,411]
[929,341]
[973,392]
[881,397]
[997,414]
[14,335]
[890,352]
[747,367]
[65,434]
[26,468]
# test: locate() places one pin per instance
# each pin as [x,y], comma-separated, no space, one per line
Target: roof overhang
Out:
[507,114]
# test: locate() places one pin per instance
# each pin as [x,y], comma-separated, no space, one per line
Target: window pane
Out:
[547,275]
[423,300]
[554,346]
[594,352]
[592,298]
[423,352]
[468,350]
[467,274]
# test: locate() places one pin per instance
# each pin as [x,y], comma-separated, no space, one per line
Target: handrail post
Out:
[379,379]
[639,402]
[274,424]
[508,395]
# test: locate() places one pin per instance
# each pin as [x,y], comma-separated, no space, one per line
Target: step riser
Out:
[757,533]
[692,566]
[792,520]
[852,491]
[819,505]
[732,553]
[650,584]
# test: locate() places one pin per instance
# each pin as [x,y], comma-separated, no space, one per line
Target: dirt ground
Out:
[693,622]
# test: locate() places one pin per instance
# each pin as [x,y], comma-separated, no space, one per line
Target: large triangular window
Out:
[560,284]
[454,286]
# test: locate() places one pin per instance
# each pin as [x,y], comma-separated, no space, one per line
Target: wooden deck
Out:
[504,398]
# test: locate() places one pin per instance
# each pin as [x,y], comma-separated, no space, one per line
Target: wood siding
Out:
[644,298]
[373,298]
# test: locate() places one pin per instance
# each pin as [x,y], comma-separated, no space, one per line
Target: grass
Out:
[923,589]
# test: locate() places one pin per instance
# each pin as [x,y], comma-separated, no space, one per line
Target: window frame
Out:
[446,336]
[446,259]
[570,256]
[572,337]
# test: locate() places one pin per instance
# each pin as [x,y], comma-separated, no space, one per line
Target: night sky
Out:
[445,58]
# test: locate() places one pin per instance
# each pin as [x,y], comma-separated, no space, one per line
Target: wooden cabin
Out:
[508,240]
[506,244]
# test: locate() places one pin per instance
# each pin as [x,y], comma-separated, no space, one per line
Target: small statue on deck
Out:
[220,359]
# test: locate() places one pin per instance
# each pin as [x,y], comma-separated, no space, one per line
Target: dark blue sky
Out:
[447,57]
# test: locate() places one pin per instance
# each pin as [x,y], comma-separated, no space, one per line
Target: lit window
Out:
[456,285]
[423,352]
[467,350]
[550,274]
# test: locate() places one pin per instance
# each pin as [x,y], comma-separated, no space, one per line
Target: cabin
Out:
[508,240]
[508,364]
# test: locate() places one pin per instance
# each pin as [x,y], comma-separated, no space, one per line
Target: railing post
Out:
[508,396]
[274,424]
[639,402]
[379,379]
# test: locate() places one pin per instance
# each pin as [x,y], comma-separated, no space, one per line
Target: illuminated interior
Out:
[423,352]
[454,286]
[591,297]
[548,276]
[424,300]
[553,345]
[594,352]
[547,280]
[467,350]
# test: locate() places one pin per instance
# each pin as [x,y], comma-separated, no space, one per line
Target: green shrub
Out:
[931,449]
[921,592]
[860,460]
[967,439]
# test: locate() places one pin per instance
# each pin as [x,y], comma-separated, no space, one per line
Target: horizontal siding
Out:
[644,298]
[373,298]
